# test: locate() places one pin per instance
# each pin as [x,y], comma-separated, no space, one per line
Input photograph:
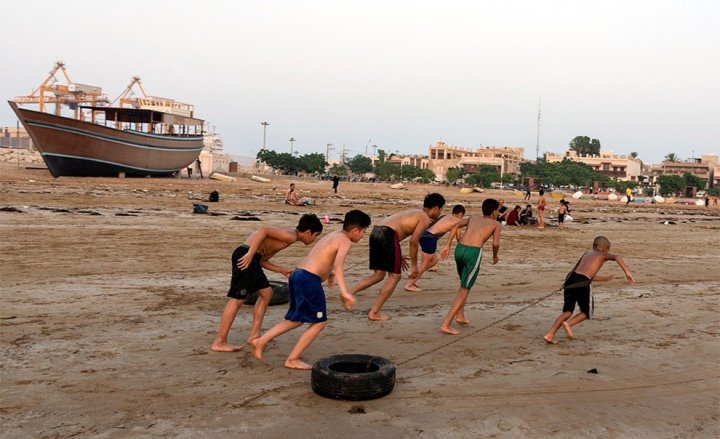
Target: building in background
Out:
[441,157]
[703,167]
[15,137]
[619,167]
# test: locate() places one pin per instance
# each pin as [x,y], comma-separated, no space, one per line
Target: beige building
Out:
[705,167]
[442,157]
[607,163]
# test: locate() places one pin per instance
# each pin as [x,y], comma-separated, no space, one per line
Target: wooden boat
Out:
[114,141]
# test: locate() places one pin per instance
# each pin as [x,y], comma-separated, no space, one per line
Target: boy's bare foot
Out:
[463,322]
[257,348]
[568,332]
[549,340]
[224,347]
[449,330]
[297,364]
[412,288]
[377,317]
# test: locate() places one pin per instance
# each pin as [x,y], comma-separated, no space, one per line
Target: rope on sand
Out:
[496,322]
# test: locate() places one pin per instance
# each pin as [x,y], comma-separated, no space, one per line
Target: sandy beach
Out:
[112,291]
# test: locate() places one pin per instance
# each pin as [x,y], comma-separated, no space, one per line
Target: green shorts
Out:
[467,260]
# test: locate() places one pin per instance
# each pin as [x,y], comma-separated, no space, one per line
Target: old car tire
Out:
[353,377]
[281,294]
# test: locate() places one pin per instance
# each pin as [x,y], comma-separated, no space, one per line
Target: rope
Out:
[496,322]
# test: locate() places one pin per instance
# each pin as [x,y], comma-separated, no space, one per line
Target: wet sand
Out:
[112,292]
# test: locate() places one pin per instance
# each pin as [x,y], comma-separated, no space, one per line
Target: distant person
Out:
[248,277]
[526,216]
[513,218]
[214,197]
[577,287]
[307,297]
[527,193]
[429,242]
[336,182]
[468,255]
[707,201]
[292,198]
[562,211]
[628,195]
[385,256]
[541,210]
[502,212]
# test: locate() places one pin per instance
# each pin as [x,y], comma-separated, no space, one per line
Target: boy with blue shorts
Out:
[248,262]
[307,298]
[468,255]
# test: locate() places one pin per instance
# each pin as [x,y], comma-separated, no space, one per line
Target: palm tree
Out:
[672,157]
[633,155]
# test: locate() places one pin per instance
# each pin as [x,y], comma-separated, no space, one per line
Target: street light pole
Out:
[265,125]
[292,139]
[327,151]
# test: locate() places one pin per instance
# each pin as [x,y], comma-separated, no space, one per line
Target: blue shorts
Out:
[428,243]
[307,298]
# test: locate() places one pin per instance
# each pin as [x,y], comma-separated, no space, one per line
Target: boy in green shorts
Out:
[248,262]
[468,255]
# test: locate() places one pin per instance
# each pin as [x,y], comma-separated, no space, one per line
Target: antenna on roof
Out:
[537,145]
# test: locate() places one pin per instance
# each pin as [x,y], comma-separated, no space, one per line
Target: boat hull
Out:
[73,147]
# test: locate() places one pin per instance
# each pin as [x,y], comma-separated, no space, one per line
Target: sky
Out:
[641,76]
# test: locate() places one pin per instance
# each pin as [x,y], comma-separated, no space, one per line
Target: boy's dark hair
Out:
[542,192]
[489,206]
[528,206]
[311,222]
[356,218]
[601,241]
[434,200]
[458,208]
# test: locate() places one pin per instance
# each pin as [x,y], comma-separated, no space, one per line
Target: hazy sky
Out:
[641,75]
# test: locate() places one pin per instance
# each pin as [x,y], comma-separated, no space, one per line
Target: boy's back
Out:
[407,221]
[322,257]
[479,230]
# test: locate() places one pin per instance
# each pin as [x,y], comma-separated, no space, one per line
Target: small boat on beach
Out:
[146,136]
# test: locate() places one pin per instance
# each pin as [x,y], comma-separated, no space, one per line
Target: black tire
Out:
[281,294]
[353,377]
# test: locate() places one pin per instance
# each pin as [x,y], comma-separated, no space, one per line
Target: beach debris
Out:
[577,195]
[200,208]
[214,197]
[245,218]
[326,220]
[10,209]
[259,179]
[470,190]
[593,370]
[612,197]
[357,409]
[397,186]
[221,177]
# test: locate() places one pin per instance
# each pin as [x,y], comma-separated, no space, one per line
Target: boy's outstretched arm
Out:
[622,265]
[446,251]
[348,300]
[285,271]
[496,243]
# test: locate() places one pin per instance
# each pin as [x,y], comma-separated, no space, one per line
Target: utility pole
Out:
[328,148]
[374,147]
[537,145]
[366,146]
[265,125]
[292,139]
[342,156]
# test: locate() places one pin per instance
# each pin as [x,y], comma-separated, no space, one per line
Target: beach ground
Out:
[112,291]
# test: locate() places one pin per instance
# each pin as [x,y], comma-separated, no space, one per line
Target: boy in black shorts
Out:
[577,287]
[248,262]
[307,297]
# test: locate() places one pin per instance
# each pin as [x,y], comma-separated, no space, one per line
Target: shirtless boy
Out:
[307,298]
[468,255]
[385,255]
[541,210]
[248,262]
[429,242]
[577,287]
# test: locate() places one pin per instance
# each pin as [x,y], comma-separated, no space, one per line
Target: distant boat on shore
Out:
[147,136]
